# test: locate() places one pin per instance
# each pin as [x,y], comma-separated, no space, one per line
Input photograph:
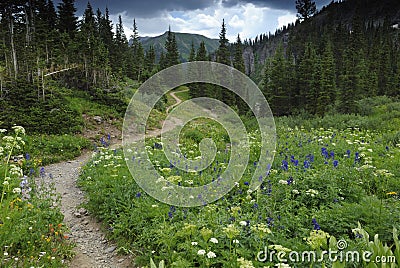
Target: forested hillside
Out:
[346,52]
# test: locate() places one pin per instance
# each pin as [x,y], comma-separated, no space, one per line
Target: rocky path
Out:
[92,247]
[93,250]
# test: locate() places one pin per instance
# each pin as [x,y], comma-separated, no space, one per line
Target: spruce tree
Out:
[172,54]
[223,55]
[277,84]
[201,54]
[192,54]
[327,93]
[307,91]
[238,61]
[67,21]
[138,53]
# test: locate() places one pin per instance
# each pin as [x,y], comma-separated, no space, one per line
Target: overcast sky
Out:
[249,18]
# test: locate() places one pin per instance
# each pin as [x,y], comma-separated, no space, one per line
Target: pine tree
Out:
[121,49]
[327,93]
[172,54]
[305,9]
[277,83]
[67,21]
[201,54]
[192,55]
[238,61]
[138,53]
[307,91]
[223,55]
[348,85]
[149,63]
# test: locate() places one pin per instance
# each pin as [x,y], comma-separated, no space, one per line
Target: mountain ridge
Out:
[184,42]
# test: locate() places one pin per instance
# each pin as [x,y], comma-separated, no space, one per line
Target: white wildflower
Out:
[201,252]
[214,240]
[211,255]
[243,223]
[17,190]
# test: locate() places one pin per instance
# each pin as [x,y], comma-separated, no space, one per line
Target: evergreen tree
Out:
[121,49]
[201,54]
[348,85]
[327,93]
[67,21]
[305,9]
[277,83]
[138,53]
[149,63]
[307,91]
[223,55]
[172,54]
[192,55]
[238,61]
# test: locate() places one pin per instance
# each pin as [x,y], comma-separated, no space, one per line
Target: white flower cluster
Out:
[312,192]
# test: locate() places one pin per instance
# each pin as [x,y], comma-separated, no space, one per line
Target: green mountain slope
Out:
[184,41]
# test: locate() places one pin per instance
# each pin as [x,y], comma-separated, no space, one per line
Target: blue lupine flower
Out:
[285,165]
[335,163]
[387,148]
[270,222]
[255,205]
[138,195]
[357,157]
[315,224]
[324,152]
[332,154]
[172,208]
[290,181]
[108,136]
[307,164]
[296,163]
[348,152]
[246,183]
[170,215]
[27,156]
[42,172]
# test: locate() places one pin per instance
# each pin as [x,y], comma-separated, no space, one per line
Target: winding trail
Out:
[93,249]
[178,100]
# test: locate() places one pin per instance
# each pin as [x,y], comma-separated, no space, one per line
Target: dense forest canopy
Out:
[324,62]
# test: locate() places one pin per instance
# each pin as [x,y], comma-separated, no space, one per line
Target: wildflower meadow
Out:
[333,186]
[32,232]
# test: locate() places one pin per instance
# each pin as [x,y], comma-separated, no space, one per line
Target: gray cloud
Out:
[273,4]
[153,8]
[143,8]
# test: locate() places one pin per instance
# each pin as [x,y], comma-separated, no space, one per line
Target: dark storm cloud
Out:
[152,8]
[143,8]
